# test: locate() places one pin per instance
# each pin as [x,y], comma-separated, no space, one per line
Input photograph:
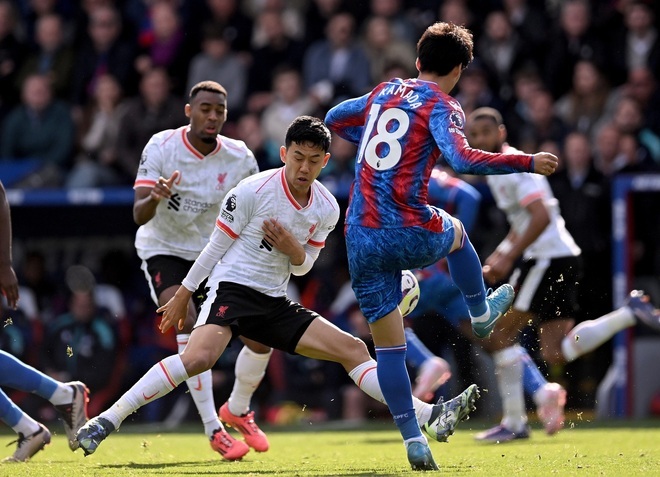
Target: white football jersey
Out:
[250,260]
[513,192]
[183,224]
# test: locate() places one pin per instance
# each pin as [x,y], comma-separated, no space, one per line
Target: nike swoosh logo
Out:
[146,398]
[499,315]
[199,385]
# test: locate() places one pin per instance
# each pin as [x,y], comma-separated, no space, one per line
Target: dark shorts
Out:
[548,287]
[376,258]
[165,271]
[273,321]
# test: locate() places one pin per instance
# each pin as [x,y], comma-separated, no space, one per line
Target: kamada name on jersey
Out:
[404,92]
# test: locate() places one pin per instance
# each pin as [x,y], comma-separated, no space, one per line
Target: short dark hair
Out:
[443,46]
[308,130]
[210,86]
[486,113]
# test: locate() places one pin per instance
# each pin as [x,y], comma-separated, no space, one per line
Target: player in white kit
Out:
[182,178]
[271,225]
[542,262]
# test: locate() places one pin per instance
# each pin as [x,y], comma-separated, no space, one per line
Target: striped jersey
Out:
[251,260]
[513,193]
[183,224]
[401,129]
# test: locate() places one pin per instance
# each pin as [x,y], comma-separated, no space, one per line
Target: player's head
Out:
[207,110]
[485,129]
[305,151]
[443,47]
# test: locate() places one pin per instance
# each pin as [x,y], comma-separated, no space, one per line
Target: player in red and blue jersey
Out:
[401,129]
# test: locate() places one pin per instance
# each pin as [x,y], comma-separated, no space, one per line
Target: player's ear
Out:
[283,154]
[325,160]
[187,110]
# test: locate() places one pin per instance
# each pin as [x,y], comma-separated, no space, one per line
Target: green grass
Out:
[583,449]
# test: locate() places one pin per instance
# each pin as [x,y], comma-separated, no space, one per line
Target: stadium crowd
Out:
[84,85]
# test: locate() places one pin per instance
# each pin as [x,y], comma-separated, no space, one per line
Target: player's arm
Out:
[446,126]
[8,281]
[222,238]
[347,118]
[499,264]
[147,198]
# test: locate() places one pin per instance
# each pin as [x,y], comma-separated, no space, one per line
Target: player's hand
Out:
[9,286]
[545,163]
[175,310]
[163,188]
[497,267]
[280,238]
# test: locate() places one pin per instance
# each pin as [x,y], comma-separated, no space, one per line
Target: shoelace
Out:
[250,422]
[22,439]
[222,437]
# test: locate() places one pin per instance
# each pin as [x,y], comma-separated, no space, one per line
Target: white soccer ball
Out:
[411,292]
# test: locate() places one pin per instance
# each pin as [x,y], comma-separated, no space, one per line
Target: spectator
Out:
[637,43]
[81,344]
[96,164]
[628,117]
[217,61]
[317,16]
[248,130]
[383,46]
[572,41]
[39,128]
[164,45]
[584,200]
[290,102]
[337,67]
[529,21]
[226,15]
[51,56]
[157,109]
[400,25]
[502,52]
[543,125]
[11,51]
[105,53]
[278,48]
[32,11]
[641,85]
[606,149]
[584,104]
[474,91]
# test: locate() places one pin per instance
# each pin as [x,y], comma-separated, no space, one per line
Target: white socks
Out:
[250,369]
[366,378]
[590,334]
[62,395]
[508,371]
[26,425]
[201,390]
[162,378]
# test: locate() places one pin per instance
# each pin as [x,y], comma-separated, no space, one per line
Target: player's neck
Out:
[202,147]
[441,81]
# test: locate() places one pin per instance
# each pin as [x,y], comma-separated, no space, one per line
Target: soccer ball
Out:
[410,289]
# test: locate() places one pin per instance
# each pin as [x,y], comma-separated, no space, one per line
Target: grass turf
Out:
[582,449]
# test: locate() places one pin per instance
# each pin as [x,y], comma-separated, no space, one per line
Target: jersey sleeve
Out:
[321,233]
[528,190]
[347,118]
[252,166]
[237,209]
[151,164]
[446,125]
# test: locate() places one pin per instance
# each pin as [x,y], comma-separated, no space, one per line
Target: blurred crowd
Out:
[84,84]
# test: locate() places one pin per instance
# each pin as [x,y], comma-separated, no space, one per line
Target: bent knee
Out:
[197,361]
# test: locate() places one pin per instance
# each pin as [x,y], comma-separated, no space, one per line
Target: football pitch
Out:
[582,449]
